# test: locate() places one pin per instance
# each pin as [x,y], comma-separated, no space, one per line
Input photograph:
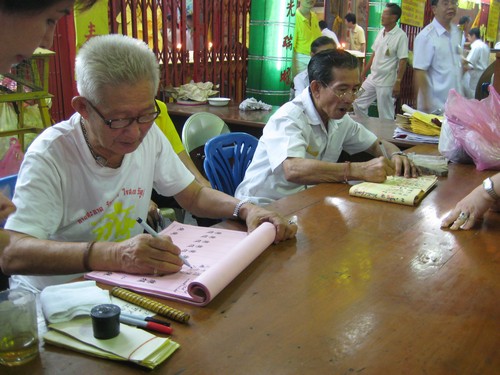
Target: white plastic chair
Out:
[197,130]
[200,127]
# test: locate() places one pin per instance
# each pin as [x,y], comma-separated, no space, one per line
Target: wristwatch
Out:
[490,188]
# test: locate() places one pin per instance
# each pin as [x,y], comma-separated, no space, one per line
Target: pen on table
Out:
[148,325]
[152,232]
[384,151]
[146,318]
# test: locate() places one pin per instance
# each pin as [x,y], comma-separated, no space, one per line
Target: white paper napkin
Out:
[61,303]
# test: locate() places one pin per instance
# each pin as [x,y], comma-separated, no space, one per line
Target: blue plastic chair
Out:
[7,185]
[227,157]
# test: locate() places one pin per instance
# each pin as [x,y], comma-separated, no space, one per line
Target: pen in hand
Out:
[384,151]
[152,232]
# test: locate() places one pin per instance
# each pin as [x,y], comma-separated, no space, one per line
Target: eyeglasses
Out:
[447,3]
[343,93]
[121,123]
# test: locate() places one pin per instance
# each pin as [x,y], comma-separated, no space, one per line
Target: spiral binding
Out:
[151,305]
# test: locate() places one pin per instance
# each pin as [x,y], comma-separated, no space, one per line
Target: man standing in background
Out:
[388,65]
[357,41]
[476,62]
[437,60]
[306,31]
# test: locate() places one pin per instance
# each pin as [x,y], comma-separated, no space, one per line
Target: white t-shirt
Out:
[296,130]
[389,49]
[62,194]
[438,52]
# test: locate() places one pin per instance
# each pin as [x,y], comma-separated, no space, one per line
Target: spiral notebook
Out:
[217,256]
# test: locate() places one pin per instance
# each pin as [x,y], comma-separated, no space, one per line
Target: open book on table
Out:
[396,189]
[217,256]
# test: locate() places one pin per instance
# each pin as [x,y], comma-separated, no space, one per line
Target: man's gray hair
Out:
[113,60]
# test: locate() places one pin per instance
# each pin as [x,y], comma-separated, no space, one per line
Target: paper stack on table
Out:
[418,126]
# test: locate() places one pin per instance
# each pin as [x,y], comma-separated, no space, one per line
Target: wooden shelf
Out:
[31,81]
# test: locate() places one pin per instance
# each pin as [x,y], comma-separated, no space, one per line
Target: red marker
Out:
[147,325]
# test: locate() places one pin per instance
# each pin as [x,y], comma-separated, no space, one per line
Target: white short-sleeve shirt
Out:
[438,52]
[295,130]
[388,49]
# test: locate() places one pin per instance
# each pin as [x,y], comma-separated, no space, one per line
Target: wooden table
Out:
[253,121]
[366,287]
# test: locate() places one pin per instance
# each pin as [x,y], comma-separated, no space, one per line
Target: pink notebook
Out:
[216,255]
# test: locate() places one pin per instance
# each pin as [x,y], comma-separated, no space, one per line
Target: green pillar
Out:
[270,51]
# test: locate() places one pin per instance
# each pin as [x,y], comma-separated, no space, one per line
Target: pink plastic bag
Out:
[12,159]
[475,125]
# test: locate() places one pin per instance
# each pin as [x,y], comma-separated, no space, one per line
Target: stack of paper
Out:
[416,126]
[132,344]
[409,136]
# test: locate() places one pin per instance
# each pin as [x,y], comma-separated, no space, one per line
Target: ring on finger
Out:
[155,272]
[464,216]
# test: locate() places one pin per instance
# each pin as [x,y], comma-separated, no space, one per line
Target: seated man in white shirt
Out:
[302,141]
[85,181]
[301,80]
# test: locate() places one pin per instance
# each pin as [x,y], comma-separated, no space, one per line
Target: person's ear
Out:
[79,104]
[315,87]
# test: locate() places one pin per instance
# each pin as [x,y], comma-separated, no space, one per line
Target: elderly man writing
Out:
[302,141]
[84,181]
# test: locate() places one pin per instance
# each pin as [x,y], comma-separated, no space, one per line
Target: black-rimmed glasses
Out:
[121,123]
[343,93]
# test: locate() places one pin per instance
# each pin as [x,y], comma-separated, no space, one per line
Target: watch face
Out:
[487,184]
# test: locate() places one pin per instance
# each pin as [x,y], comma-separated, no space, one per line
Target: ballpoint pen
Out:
[148,325]
[383,150]
[152,232]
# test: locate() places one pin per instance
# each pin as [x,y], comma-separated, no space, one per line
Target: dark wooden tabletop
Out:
[366,287]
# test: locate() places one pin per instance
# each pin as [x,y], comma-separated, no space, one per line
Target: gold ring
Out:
[155,272]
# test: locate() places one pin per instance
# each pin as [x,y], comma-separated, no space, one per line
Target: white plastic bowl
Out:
[219,102]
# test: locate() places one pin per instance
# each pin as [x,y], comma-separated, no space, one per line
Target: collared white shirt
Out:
[479,55]
[388,49]
[296,130]
[438,52]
